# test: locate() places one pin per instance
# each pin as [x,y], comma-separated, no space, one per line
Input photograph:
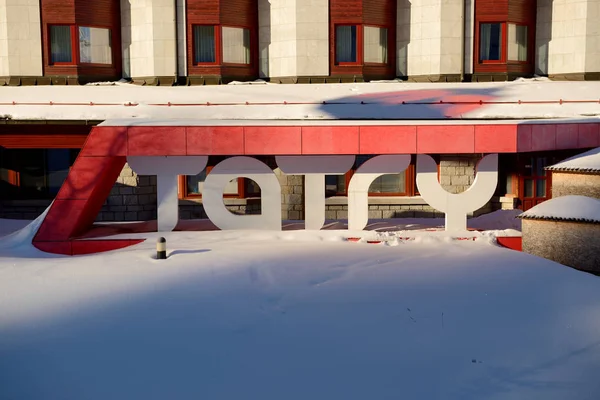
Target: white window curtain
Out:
[345,44]
[490,42]
[236,45]
[204,44]
[94,45]
[517,42]
[375,45]
[60,44]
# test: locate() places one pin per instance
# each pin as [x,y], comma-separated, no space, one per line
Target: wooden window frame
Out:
[409,179]
[75,53]
[74,45]
[504,42]
[387,50]
[529,43]
[252,46]
[359,44]
[242,192]
[14,177]
[218,42]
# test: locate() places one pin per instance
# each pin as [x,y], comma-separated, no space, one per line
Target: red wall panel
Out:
[43,136]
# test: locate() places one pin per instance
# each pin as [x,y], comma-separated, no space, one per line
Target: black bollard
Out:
[161,249]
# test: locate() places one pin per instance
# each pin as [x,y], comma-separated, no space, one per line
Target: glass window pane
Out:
[252,188]
[528,189]
[509,184]
[94,45]
[540,188]
[195,184]
[236,45]
[58,164]
[60,44]
[335,184]
[345,43]
[204,44]
[375,44]
[517,42]
[540,164]
[392,183]
[490,42]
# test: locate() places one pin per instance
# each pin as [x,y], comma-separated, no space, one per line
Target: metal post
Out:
[161,249]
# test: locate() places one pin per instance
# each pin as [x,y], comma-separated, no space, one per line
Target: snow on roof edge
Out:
[588,161]
[572,208]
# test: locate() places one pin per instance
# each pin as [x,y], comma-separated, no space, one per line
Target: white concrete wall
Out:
[566,50]
[20,38]
[293,37]
[429,37]
[592,49]
[148,29]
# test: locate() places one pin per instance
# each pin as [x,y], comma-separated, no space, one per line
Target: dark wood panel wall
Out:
[380,13]
[43,136]
[236,13]
[521,12]
[95,13]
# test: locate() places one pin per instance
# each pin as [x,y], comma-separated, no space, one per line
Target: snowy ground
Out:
[296,315]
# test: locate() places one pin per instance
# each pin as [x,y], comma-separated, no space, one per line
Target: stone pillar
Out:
[568,39]
[293,39]
[148,41]
[430,40]
[20,42]
[292,195]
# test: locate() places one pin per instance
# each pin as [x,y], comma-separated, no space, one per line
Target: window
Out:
[94,45]
[490,42]
[517,42]
[401,184]
[234,45]
[356,44]
[61,50]
[375,45]
[499,42]
[345,44]
[35,173]
[204,44]
[192,185]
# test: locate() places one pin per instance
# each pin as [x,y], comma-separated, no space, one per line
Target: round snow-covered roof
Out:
[566,208]
[584,162]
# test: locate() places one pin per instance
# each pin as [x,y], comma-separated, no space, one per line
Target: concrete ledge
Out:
[384,200]
[227,201]
[578,76]
[435,78]
[154,80]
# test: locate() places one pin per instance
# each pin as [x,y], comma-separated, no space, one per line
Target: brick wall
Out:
[132,198]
